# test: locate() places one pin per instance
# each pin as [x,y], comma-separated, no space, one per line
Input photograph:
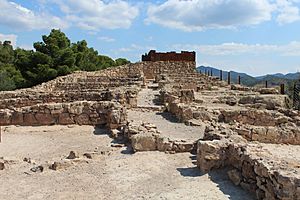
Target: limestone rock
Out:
[37,169]
[93,155]
[61,165]
[235,176]
[64,119]
[143,142]
[45,118]
[211,154]
[164,144]
[2,165]
[73,155]
[268,91]
[183,146]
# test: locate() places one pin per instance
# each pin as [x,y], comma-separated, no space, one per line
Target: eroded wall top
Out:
[169,56]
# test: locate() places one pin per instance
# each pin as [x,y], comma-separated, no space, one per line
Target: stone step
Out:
[152,107]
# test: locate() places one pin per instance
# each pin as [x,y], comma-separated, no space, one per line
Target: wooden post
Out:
[266,84]
[229,78]
[239,80]
[205,72]
[282,89]
[295,96]
[211,72]
[221,75]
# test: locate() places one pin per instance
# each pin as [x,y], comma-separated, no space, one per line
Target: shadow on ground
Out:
[156,101]
[168,116]
[128,150]
[221,179]
[101,130]
[190,172]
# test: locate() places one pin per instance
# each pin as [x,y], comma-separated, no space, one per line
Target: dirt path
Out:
[147,175]
[148,97]
[168,125]
[165,122]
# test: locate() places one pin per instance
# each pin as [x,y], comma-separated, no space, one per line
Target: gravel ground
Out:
[116,175]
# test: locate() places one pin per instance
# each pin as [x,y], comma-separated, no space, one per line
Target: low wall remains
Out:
[17,99]
[251,168]
[111,114]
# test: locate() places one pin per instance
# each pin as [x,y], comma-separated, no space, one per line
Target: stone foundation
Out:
[254,170]
[113,115]
[146,137]
[18,99]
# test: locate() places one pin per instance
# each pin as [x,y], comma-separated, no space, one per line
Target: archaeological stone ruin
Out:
[237,125]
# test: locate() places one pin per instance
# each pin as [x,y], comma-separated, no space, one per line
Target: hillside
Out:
[273,79]
[245,78]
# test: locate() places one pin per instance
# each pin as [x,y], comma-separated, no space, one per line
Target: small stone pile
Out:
[146,137]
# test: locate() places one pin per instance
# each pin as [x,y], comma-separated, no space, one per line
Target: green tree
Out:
[86,58]
[121,61]
[53,56]
[6,52]
[6,83]
[105,62]
[11,78]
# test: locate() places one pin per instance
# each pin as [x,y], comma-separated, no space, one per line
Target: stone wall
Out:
[111,114]
[152,69]
[146,137]
[251,168]
[169,56]
[252,117]
[17,99]
[130,74]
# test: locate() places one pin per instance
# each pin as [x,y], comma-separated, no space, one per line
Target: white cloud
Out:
[18,17]
[233,49]
[97,14]
[288,11]
[197,15]
[106,39]
[136,48]
[9,37]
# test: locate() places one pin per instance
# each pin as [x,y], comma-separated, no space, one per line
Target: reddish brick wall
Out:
[169,56]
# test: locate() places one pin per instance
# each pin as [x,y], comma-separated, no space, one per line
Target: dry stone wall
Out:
[111,114]
[153,69]
[146,137]
[251,168]
[125,96]
[127,74]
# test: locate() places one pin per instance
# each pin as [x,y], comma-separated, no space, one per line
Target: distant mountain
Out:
[245,78]
[290,76]
[273,79]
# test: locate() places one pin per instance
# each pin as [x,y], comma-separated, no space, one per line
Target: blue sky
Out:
[252,36]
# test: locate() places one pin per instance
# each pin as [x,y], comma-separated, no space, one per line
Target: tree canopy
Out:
[54,56]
